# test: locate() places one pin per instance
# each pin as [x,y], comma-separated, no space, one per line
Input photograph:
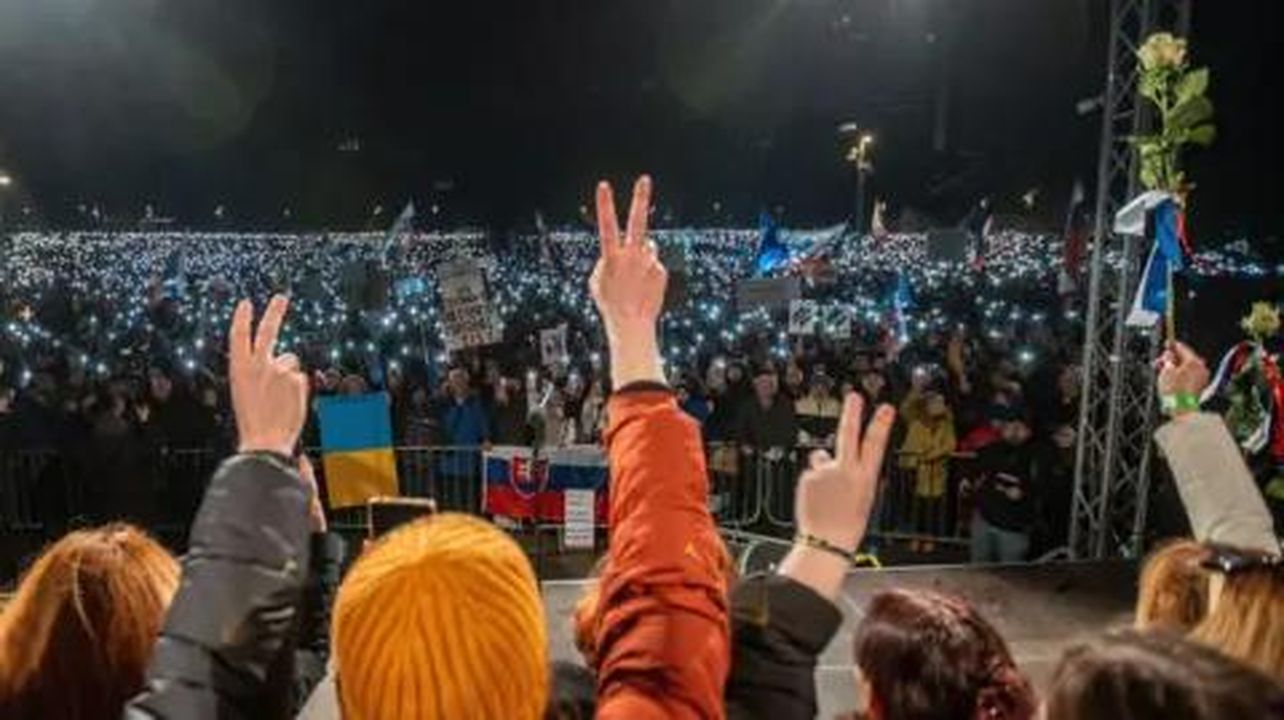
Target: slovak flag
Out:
[513,480]
[525,486]
[1158,215]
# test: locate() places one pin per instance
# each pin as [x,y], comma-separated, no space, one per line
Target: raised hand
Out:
[834,500]
[269,393]
[1181,373]
[628,285]
[836,494]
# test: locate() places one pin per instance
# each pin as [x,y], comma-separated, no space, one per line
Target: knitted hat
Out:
[441,619]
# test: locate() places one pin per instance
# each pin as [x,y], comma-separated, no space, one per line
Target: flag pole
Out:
[1170,312]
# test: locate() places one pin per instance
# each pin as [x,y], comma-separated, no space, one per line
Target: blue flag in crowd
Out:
[1166,256]
[772,253]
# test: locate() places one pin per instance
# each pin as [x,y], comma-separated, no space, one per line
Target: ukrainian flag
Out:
[356,448]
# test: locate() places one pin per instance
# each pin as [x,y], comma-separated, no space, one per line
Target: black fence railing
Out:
[44,492]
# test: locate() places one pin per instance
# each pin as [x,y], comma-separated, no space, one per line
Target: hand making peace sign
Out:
[628,287]
[835,495]
[269,393]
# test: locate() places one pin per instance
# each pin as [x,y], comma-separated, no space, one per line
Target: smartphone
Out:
[384,514]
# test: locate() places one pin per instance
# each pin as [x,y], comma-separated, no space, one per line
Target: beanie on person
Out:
[441,619]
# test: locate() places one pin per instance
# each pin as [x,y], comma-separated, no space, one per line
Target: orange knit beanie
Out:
[441,619]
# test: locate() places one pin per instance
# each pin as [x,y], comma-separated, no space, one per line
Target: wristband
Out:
[1178,403]
[811,541]
[283,462]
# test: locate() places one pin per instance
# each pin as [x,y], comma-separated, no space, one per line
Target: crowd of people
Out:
[443,617]
[111,351]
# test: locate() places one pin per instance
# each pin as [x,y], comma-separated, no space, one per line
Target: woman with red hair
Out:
[77,637]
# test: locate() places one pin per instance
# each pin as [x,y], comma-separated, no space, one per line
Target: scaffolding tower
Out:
[1117,412]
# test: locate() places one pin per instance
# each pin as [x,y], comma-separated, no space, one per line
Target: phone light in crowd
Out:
[189,365]
[5,179]
[1025,356]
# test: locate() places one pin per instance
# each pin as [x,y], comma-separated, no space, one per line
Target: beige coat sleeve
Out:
[1222,500]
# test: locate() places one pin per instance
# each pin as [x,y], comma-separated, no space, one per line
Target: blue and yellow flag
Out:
[356,448]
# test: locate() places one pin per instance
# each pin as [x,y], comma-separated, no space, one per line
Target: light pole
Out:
[6,180]
[860,154]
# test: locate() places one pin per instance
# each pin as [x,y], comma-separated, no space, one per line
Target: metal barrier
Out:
[735,493]
[450,475]
[748,490]
[33,487]
[178,481]
[919,500]
[923,499]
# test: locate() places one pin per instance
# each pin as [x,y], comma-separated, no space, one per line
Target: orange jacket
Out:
[663,637]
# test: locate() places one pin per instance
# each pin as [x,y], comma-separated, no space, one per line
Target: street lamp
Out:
[5,181]
[860,154]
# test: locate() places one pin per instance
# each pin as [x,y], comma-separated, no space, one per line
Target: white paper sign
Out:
[578,519]
[803,317]
[552,345]
[838,322]
[466,315]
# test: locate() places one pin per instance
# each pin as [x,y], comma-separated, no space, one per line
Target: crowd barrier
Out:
[43,492]
[919,500]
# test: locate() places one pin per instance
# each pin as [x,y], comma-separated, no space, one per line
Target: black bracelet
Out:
[811,541]
[283,462]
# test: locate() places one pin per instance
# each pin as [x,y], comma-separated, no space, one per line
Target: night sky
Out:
[493,110]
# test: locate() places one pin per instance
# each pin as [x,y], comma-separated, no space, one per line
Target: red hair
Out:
[1173,593]
[75,641]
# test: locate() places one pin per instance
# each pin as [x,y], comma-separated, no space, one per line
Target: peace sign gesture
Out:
[836,494]
[628,286]
[628,281]
[269,393]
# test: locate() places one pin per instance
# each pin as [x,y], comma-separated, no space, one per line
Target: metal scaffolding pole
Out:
[1116,417]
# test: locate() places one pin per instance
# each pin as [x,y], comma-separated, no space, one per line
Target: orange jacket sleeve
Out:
[663,639]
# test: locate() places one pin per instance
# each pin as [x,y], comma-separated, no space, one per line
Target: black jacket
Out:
[778,629]
[766,428]
[1008,496]
[227,649]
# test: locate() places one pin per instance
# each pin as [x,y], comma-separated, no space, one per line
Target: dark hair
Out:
[928,656]
[1131,675]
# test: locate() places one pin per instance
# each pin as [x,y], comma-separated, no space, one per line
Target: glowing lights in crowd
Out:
[115,302]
